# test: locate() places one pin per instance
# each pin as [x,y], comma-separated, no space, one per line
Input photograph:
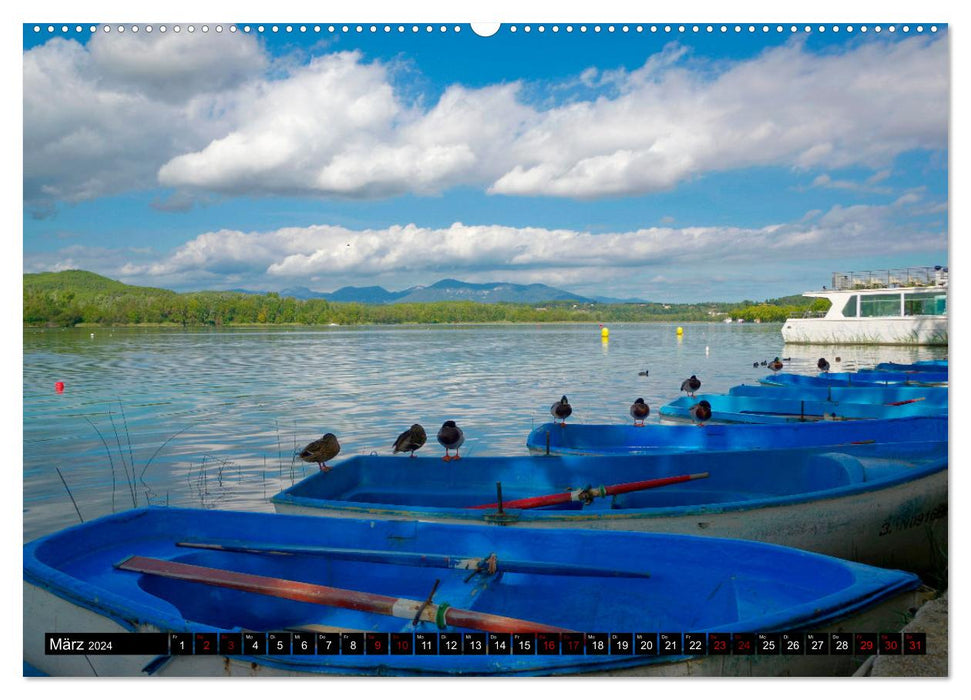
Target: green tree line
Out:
[77,297]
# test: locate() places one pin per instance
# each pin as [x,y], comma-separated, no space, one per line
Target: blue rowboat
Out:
[856,379]
[922,366]
[748,409]
[881,504]
[202,571]
[653,438]
[930,395]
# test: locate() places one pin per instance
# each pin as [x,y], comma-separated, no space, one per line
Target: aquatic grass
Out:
[198,484]
[130,461]
[197,479]
[279,447]
[293,454]
[211,488]
[141,474]
[71,495]
[124,465]
[131,454]
[110,461]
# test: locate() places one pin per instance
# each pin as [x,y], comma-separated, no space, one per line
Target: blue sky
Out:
[672,166]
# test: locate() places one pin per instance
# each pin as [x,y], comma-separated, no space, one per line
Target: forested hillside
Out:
[74,297]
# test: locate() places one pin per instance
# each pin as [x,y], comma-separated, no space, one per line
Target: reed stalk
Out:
[141,474]
[279,447]
[131,453]
[124,465]
[71,495]
[110,461]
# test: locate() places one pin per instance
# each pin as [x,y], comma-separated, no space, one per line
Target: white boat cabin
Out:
[907,306]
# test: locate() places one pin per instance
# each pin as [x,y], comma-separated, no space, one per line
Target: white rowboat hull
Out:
[899,527]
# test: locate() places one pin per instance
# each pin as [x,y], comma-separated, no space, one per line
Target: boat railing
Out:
[935,276]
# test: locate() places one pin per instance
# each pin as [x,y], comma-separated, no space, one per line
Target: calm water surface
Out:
[212,418]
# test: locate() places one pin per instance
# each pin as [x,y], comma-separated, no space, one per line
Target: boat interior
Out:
[732,477]
[642,582]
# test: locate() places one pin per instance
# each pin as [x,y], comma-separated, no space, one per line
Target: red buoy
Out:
[59,387]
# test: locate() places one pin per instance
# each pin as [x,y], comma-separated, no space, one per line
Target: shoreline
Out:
[176,326]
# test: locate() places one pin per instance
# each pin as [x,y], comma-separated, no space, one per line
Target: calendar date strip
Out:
[487,643]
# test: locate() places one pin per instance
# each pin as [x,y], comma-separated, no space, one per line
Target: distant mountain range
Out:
[451,290]
[443,290]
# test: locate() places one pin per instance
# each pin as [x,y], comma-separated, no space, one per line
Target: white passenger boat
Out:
[887,307]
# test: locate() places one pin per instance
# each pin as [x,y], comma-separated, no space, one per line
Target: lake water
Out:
[213,418]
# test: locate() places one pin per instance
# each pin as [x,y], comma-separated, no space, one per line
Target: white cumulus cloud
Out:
[213,114]
[621,263]
[645,130]
[101,118]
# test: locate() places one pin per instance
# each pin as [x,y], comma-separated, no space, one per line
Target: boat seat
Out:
[843,468]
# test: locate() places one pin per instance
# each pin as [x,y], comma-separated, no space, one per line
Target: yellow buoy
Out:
[680,330]
[604,333]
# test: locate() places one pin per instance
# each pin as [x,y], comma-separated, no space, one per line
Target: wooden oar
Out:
[901,403]
[426,559]
[440,614]
[589,493]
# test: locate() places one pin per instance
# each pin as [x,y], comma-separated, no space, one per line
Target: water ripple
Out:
[212,418]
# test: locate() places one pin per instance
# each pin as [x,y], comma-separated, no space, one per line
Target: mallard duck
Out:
[643,373]
[319,451]
[639,411]
[755,364]
[561,410]
[775,365]
[410,440]
[451,437]
[691,385]
[823,365]
[701,412]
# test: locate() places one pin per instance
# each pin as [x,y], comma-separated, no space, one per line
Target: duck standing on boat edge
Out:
[691,385]
[701,412]
[410,440]
[561,410]
[319,451]
[639,411]
[451,437]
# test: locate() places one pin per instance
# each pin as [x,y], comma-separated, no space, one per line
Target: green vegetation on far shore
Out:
[74,297]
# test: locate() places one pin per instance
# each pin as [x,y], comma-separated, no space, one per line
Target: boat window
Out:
[880,305]
[925,304]
[849,310]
